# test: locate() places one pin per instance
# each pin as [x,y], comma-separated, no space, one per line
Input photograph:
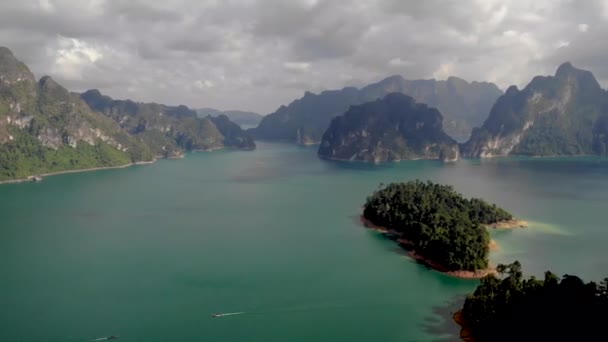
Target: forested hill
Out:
[438,223]
[511,308]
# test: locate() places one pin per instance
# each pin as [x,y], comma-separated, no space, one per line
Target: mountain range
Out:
[561,115]
[463,104]
[45,128]
[242,118]
[169,129]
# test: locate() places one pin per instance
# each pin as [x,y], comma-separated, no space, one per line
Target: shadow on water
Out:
[440,324]
[356,165]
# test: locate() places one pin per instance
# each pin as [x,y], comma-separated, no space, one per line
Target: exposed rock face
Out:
[304,121]
[566,114]
[168,129]
[389,129]
[44,128]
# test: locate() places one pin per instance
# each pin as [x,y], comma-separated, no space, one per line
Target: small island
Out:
[506,307]
[437,225]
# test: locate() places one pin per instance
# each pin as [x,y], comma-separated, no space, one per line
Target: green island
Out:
[506,307]
[439,227]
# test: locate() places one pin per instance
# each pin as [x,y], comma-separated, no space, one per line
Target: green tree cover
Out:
[25,156]
[441,224]
[511,308]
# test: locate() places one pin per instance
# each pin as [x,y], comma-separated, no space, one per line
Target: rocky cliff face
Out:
[565,114]
[389,129]
[44,128]
[169,130]
[463,104]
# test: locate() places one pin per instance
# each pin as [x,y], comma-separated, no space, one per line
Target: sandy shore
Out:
[508,224]
[30,178]
[406,244]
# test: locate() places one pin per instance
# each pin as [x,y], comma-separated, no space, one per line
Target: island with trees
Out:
[507,307]
[438,226]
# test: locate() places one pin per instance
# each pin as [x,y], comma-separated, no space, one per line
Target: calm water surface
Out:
[149,252]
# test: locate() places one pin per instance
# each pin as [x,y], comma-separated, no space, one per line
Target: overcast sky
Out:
[247,54]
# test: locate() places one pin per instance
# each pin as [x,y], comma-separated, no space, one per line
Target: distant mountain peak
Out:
[584,78]
[49,86]
[512,90]
[565,69]
[48,81]
[92,92]
[393,78]
[6,52]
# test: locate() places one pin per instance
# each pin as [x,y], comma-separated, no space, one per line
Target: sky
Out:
[259,54]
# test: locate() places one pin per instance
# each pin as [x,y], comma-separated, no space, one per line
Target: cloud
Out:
[296,66]
[259,54]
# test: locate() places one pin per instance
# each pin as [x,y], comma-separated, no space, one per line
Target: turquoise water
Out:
[150,252]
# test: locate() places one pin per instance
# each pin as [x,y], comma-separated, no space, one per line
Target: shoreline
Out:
[508,224]
[31,178]
[407,245]
[49,174]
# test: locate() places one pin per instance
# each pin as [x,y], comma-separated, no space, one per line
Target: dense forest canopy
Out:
[440,223]
[511,308]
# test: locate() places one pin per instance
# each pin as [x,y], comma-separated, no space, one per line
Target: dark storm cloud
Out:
[258,54]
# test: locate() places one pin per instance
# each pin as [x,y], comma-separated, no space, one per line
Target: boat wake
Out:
[227,314]
[105,338]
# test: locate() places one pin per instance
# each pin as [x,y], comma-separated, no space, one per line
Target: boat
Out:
[216,315]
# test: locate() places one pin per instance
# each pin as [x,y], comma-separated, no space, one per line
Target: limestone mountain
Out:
[463,104]
[393,128]
[233,134]
[565,114]
[169,130]
[242,118]
[44,128]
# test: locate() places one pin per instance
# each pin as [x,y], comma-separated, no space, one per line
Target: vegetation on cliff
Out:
[44,128]
[511,308]
[439,224]
[388,129]
[565,114]
[170,129]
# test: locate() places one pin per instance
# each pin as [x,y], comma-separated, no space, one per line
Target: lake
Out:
[148,253]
